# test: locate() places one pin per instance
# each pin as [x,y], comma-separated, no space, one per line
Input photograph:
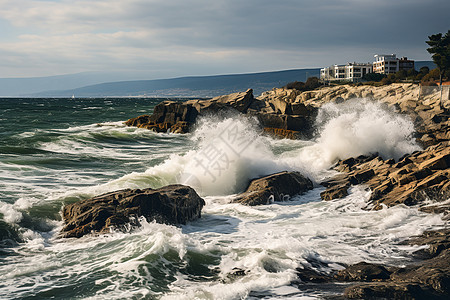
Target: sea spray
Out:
[358,127]
[230,151]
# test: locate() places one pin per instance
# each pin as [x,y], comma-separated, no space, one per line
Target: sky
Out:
[171,38]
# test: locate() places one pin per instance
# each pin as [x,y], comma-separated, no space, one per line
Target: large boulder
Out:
[239,101]
[167,115]
[173,204]
[276,187]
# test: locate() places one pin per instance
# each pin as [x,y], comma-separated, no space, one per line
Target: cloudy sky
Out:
[171,38]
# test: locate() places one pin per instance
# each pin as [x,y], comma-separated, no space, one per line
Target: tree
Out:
[374,76]
[424,70]
[411,74]
[433,75]
[296,85]
[400,75]
[440,50]
[312,83]
[388,80]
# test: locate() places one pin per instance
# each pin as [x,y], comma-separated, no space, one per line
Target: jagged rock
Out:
[434,273]
[178,117]
[363,272]
[438,241]
[388,290]
[415,179]
[288,125]
[276,115]
[307,275]
[166,115]
[239,101]
[276,187]
[428,279]
[173,204]
[335,191]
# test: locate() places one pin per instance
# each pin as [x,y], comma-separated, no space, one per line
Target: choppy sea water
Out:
[58,151]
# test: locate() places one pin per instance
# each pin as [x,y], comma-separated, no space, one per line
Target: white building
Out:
[389,64]
[348,72]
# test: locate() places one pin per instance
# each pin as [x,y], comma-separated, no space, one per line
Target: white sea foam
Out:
[268,242]
[271,244]
[10,213]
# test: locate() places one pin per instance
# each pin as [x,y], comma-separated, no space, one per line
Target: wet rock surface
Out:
[276,187]
[425,279]
[173,204]
[413,180]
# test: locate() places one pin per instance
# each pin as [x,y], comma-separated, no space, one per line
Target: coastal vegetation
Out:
[440,50]
[310,84]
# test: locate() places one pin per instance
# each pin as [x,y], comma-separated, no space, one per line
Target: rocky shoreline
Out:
[428,278]
[413,180]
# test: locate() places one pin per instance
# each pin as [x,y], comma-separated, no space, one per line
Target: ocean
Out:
[59,151]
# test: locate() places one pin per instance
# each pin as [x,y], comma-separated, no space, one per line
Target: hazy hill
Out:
[195,86]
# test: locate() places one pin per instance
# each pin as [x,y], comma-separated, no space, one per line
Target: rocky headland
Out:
[418,179]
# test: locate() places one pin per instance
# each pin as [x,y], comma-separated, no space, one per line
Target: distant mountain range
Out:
[194,86]
[97,85]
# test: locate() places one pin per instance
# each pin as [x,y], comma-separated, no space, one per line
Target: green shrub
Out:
[374,76]
[310,84]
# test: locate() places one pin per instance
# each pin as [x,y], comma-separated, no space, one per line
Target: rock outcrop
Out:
[428,279]
[276,187]
[275,116]
[173,204]
[425,279]
[422,104]
[413,180]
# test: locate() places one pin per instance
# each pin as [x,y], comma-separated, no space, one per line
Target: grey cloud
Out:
[222,35]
